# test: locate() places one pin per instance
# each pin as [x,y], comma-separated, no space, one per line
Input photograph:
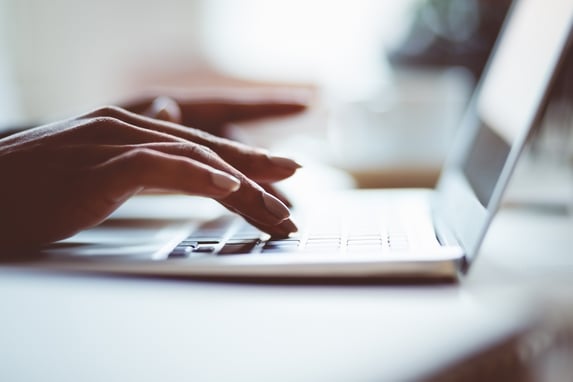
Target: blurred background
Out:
[390,79]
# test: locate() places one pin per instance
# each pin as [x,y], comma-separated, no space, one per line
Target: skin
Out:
[212,111]
[70,175]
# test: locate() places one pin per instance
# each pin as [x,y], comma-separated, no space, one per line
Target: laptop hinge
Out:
[444,235]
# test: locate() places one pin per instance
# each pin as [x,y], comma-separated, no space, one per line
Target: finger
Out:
[281,230]
[92,154]
[208,109]
[126,174]
[214,114]
[257,164]
[108,126]
[251,200]
[277,194]
[252,109]
[218,111]
[164,108]
[254,163]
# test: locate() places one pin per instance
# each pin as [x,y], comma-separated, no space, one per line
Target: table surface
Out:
[66,327]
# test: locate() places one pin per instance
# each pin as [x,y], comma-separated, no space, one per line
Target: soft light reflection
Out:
[340,45]
[505,84]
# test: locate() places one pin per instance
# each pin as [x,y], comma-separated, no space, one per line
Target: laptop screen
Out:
[485,162]
[514,86]
[506,104]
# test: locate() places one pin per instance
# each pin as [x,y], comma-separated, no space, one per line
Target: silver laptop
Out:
[387,234]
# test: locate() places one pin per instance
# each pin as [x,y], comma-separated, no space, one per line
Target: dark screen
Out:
[485,162]
[513,87]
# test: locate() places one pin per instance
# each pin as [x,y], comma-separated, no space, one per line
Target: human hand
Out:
[67,176]
[213,111]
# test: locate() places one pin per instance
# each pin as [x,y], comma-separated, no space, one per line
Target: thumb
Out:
[164,108]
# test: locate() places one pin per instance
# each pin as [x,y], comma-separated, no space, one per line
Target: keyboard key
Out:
[281,246]
[204,249]
[199,241]
[181,251]
[400,246]
[364,242]
[238,248]
[282,243]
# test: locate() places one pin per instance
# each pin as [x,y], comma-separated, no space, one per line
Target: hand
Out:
[67,176]
[212,112]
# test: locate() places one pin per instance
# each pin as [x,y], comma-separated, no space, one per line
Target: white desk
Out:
[72,328]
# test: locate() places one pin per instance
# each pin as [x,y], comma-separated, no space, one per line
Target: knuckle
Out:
[204,152]
[105,121]
[181,148]
[140,154]
[138,161]
[101,127]
[106,127]
[108,111]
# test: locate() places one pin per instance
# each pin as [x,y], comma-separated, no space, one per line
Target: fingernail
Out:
[289,226]
[225,181]
[275,206]
[167,109]
[163,114]
[284,229]
[284,162]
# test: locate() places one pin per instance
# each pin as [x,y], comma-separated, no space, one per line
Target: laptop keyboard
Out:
[326,232]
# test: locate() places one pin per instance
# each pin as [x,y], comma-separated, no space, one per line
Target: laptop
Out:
[410,234]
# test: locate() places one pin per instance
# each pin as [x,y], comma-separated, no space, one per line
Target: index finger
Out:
[226,109]
[211,110]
